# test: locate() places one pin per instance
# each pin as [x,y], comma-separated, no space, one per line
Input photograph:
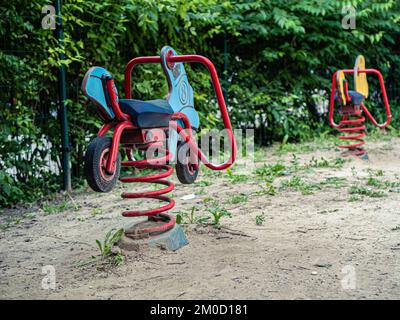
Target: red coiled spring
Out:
[163,221]
[355,127]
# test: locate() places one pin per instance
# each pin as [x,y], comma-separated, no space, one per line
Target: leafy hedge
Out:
[279,58]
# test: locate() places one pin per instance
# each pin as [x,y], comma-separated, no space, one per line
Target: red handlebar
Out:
[215,81]
[369,115]
[183,58]
[170,59]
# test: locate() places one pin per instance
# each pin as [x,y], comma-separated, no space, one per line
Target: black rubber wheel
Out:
[186,172]
[95,161]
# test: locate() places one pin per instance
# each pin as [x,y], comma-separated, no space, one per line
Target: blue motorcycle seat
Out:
[356,97]
[147,114]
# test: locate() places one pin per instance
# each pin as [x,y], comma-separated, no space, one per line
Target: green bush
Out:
[272,57]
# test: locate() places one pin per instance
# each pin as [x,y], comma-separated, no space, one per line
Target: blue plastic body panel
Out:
[356,97]
[180,96]
[93,88]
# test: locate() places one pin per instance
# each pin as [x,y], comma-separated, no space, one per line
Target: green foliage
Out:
[49,208]
[111,238]
[236,177]
[9,192]
[337,182]
[269,172]
[325,163]
[260,218]
[105,247]
[267,188]
[203,183]
[373,182]
[359,190]
[114,258]
[299,184]
[97,211]
[183,217]
[280,57]
[240,198]
[218,213]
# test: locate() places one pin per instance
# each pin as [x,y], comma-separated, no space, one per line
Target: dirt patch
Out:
[315,227]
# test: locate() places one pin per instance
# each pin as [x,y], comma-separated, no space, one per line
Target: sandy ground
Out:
[317,241]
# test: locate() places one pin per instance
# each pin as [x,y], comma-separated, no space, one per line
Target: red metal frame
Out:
[124,119]
[215,81]
[118,127]
[123,122]
[195,149]
[181,58]
[369,115]
[114,102]
[169,221]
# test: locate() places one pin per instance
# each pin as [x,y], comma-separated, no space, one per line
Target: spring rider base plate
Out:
[364,156]
[171,240]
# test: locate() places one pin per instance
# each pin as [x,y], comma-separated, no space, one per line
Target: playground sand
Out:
[324,244]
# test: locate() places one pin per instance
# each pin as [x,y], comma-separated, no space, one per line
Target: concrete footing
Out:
[172,240]
[364,156]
